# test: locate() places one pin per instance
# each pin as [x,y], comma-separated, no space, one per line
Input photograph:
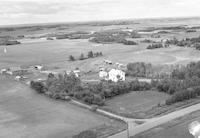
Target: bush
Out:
[128,42]
[38,86]
[81,57]
[71,58]
[90,54]
[154,46]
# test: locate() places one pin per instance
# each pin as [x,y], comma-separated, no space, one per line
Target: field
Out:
[56,53]
[136,103]
[23,113]
[177,128]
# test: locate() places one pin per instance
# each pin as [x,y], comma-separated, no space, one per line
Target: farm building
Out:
[77,72]
[20,78]
[38,67]
[17,71]
[103,75]
[3,71]
[108,62]
[116,75]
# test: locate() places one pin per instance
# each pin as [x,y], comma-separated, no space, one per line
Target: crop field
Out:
[23,113]
[134,104]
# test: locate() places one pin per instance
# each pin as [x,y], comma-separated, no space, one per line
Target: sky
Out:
[49,11]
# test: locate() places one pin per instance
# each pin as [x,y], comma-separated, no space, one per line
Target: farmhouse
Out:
[116,75]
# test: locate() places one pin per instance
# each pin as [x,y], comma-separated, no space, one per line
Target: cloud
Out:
[32,11]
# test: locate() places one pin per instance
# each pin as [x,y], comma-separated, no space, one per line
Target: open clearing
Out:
[135,103]
[26,114]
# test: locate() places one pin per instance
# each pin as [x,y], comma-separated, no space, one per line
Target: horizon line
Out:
[93,21]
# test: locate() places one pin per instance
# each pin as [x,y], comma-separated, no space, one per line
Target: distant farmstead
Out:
[38,67]
[114,75]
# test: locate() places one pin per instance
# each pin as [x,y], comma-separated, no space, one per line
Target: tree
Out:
[90,54]
[81,57]
[38,86]
[71,58]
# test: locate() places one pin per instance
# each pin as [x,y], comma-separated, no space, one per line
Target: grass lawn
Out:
[135,104]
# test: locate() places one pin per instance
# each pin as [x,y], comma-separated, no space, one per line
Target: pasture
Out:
[135,104]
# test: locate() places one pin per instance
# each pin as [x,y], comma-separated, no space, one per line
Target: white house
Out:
[9,72]
[77,72]
[116,75]
[17,78]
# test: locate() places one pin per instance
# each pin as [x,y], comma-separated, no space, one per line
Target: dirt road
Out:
[151,123]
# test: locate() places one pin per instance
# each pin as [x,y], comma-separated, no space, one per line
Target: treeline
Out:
[147,41]
[183,84]
[74,35]
[112,39]
[147,70]
[9,42]
[90,54]
[114,36]
[158,45]
[139,69]
[69,85]
[187,42]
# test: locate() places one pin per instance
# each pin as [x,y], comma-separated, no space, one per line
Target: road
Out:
[26,114]
[151,123]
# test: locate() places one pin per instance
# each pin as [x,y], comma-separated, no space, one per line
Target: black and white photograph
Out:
[99,68]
